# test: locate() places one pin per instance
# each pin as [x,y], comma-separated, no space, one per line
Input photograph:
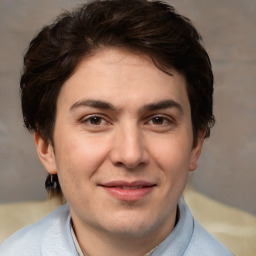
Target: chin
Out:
[132,226]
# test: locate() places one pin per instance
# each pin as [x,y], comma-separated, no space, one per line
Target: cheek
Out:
[173,159]
[77,163]
[172,155]
[78,158]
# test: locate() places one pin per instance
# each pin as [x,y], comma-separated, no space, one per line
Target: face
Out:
[123,144]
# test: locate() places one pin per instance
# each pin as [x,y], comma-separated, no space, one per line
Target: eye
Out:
[159,120]
[161,123]
[94,121]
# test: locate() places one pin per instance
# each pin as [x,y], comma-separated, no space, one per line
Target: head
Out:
[144,28]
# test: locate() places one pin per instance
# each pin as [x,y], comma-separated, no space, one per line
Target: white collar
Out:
[78,248]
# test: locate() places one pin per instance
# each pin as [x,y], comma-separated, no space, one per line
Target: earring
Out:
[52,183]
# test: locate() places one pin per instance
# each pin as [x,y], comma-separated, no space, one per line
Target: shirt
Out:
[53,236]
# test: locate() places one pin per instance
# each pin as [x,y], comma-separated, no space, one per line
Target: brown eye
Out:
[95,120]
[158,120]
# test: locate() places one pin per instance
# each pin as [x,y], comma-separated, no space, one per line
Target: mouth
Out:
[124,187]
[128,191]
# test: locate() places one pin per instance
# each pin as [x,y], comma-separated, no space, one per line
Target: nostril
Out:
[125,165]
[119,164]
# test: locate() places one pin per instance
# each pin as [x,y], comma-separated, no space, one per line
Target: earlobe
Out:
[196,151]
[45,153]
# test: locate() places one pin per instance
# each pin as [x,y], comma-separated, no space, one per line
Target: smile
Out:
[127,191]
[138,187]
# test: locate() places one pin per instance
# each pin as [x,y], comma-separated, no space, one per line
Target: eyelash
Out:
[88,120]
[167,123]
[158,122]
[163,120]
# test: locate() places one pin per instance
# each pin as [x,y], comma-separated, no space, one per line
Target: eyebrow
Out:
[164,104]
[94,104]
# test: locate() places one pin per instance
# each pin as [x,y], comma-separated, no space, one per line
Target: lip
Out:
[128,191]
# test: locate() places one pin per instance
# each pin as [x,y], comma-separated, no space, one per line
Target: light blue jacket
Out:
[51,236]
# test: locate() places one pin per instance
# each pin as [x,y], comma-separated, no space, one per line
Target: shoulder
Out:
[49,236]
[203,243]
[189,238]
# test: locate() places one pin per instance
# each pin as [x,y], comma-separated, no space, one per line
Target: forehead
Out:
[118,76]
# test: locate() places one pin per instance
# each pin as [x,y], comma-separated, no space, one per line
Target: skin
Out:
[119,118]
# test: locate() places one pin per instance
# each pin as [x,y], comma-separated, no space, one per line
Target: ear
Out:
[45,153]
[196,151]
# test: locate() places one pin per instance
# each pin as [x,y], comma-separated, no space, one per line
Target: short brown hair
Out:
[152,28]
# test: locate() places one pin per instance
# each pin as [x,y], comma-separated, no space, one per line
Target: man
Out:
[118,95]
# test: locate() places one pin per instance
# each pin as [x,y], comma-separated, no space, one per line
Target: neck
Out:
[110,247]
[97,242]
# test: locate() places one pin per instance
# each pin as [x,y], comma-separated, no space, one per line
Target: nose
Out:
[128,148]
